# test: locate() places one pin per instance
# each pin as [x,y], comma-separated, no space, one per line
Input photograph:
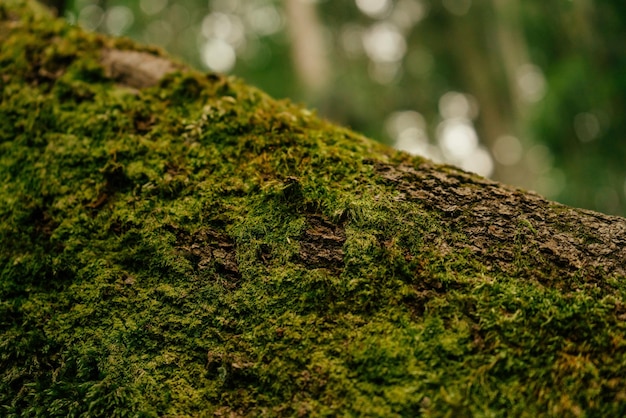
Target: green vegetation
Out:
[539,83]
[197,248]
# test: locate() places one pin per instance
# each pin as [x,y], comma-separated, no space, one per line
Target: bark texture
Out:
[136,69]
[502,220]
[180,244]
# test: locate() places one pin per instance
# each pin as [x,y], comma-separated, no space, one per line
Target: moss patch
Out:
[197,248]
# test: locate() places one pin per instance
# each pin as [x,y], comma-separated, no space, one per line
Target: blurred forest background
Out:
[531,93]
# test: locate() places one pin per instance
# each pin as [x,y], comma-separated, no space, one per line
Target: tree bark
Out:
[177,243]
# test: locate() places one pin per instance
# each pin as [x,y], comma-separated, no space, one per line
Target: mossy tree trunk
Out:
[180,244]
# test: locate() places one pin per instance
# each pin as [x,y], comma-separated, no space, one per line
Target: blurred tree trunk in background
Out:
[483,81]
[490,58]
[513,52]
[308,48]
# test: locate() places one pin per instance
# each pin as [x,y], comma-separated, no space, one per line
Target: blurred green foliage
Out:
[529,93]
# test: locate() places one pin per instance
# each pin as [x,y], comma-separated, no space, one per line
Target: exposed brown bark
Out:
[509,230]
[504,222]
[136,69]
[321,246]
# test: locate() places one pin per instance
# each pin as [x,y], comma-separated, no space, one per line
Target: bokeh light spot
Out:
[457,139]
[350,37]
[152,7]
[225,6]
[531,83]
[457,105]
[587,126]
[159,32]
[90,17]
[507,150]
[384,43]
[551,183]
[264,20]
[118,20]
[539,159]
[478,161]
[179,15]
[228,28]
[407,13]
[400,121]
[374,8]
[384,72]
[218,55]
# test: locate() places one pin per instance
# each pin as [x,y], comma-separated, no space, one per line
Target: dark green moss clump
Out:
[197,248]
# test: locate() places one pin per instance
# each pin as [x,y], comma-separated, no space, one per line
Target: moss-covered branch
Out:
[180,244]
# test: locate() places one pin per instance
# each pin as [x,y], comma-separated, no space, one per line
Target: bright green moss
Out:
[198,249]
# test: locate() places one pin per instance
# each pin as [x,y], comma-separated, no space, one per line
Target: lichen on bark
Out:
[185,245]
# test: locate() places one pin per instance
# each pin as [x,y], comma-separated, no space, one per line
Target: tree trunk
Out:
[180,244]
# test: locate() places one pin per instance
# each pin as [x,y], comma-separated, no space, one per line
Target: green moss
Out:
[198,249]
